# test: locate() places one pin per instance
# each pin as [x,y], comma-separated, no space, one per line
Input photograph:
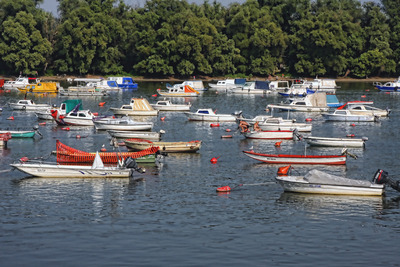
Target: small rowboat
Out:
[318,182]
[297,159]
[268,134]
[136,144]
[122,124]
[335,142]
[28,105]
[154,136]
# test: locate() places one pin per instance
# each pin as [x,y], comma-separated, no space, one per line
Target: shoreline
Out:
[204,78]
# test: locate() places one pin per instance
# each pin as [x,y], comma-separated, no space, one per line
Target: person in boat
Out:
[244,126]
[256,127]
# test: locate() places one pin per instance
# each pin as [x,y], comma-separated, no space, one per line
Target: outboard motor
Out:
[296,135]
[130,163]
[382,177]
[36,129]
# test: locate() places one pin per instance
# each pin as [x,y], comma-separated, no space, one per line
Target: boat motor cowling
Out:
[130,163]
[382,177]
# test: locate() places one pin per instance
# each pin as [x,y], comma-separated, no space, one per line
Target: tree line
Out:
[174,38]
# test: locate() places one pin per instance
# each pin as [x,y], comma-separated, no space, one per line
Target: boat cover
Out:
[240,81]
[319,177]
[261,85]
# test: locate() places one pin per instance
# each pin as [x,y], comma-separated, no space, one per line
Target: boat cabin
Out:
[124,82]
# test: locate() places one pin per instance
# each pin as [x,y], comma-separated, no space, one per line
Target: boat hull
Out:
[71,171]
[298,185]
[297,159]
[334,142]
[173,107]
[215,118]
[154,136]
[301,127]
[123,112]
[269,134]
[355,118]
[299,108]
[168,147]
[36,107]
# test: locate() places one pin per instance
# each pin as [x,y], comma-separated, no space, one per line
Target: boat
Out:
[124,82]
[364,108]
[20,82]
[96,170]
[389,86]
[310,103]
[66,154]
[122,124]
[298,159]
[76,116]
[4,137]
[348,115]
[136,144]
[16,133]
[154,136]
[319,182]
[283,134]
[167,105]
[227,84]
[136,107]
[65,107]
[27,105]
[41,87]
[332,101]
[322,85]
[2,83]
[82,91]
[279,86]
[255,87]
[99,84]
[335,142]
[207,114]
[182,90]
[197,85]
[251,121]
[280,124]
[297,90]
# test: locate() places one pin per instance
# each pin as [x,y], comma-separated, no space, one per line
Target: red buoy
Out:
[363,96]
[284,170]
[66,128]
[155,95]
[162,118]
[10,118]
[224,189]
[95,113]
[228,130]
[352,124]
[350,135]
[42,123]
[103,149]
[101,104]
[23,159]
[78,136]
[214,125]
[214,160]
[308,119]
[278,144]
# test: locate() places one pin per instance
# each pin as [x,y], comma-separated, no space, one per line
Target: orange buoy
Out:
[65,128]
[214,125]
[224,189]
[284,170]
[95,113]
[228,130]
[308,119]
[226,136]
[10,118]
[101,104]
[214,160]
[42,123]
[278,144]
[162,118]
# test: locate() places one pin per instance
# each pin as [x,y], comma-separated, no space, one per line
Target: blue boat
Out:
[332,101]
[124,82]
[389,86]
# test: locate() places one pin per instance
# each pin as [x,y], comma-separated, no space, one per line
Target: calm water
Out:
[174,217]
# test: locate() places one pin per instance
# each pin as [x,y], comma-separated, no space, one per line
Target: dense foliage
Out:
[173,37]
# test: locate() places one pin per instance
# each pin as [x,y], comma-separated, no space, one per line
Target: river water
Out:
[172,216]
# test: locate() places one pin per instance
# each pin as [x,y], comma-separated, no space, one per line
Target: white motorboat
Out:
[227,84]
[335,142]
[20,82]
[256,87]
[389,86]
[179,91]
[122,124]
[154,136]
[318,182]
[311,103]
[197,85]
[207,114]
[136,107]
[364,108]
[167,105]
[28,105]
[348,115]
[251,121]
[79,118]
[297,90]
[97,170]
[279,124]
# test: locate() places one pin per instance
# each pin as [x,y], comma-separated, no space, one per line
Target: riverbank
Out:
[206,78]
